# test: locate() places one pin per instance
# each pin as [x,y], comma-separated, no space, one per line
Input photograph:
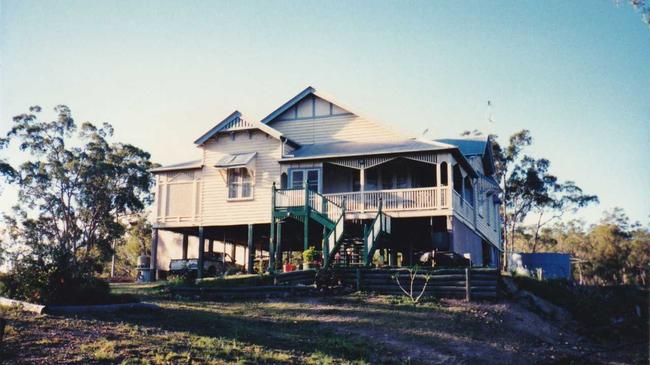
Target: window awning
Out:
[242,160]
[234,161]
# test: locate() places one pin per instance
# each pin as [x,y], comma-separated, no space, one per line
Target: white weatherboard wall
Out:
[215,208]
[315,120]
[334,129]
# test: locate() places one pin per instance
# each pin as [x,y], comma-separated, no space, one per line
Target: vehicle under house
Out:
[313,173]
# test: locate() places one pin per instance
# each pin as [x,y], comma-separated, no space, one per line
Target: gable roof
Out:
[236,121]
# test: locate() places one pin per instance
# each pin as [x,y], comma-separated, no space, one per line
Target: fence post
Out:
[468,285]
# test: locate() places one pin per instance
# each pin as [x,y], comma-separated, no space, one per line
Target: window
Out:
[444,181]
[240,184]
[311,177]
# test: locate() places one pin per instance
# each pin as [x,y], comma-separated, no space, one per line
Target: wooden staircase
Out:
[353,248]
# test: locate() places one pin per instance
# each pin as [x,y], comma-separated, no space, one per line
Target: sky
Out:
[575,73]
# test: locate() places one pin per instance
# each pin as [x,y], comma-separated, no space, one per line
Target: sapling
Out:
[413,275]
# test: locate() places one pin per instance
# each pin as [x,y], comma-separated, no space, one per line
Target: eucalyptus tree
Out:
[529,187]
[72,188]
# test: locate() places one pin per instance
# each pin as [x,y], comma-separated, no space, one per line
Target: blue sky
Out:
[576,73]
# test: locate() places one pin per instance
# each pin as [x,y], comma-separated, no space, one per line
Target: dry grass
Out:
[351,329]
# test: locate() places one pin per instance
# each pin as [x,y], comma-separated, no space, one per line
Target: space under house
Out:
[314,173]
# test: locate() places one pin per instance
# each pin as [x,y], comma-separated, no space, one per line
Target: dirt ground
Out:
[349,329]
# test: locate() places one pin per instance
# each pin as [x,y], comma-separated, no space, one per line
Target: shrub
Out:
[311,255]
[58,282]
[184,278]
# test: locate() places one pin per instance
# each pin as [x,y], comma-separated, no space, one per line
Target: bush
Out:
[184,278]
[311,255]
[59,282]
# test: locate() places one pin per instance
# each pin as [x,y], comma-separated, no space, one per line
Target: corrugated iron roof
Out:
[342,149]
[241,159]
[467,146]
[194,164]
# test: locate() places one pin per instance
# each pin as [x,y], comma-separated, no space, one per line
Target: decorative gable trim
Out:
[236,122]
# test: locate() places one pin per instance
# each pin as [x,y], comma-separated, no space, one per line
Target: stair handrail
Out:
[377,226]
[333,236]
[327,207]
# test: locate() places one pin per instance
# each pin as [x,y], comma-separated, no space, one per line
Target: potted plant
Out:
[310,258]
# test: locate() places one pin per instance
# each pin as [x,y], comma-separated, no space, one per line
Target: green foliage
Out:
[135,243]
[529,187]
[186,278]
[72,190]
[57,282]
[614,251]
[311,255]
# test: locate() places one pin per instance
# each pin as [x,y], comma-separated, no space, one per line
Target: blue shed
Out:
[553,265]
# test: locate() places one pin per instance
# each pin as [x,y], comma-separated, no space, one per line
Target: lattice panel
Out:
[355,163]
[180,176]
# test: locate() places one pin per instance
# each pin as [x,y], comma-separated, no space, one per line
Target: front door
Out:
[311,177]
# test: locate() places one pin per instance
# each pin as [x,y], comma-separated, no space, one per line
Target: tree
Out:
[613,251]
[6,170]
[643,8]
[562,198]
[528,186]
[72,190]
[136,242]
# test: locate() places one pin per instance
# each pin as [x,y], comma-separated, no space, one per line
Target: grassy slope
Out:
[351,329]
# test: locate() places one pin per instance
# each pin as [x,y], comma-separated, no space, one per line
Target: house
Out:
[315,173]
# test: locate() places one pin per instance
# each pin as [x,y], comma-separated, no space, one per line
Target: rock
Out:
[532,300]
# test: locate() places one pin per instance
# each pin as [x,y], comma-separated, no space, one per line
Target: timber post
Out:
[306,223]
[278,241]
[154,254]
[199,269]
[272,233]
[326,246]
[251,250]
[468,285]
[185,245]
[272,247]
